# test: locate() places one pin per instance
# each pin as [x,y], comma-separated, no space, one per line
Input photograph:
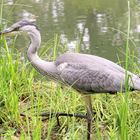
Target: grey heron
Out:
[88,74]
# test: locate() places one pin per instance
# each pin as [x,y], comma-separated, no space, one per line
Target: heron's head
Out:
[20,26]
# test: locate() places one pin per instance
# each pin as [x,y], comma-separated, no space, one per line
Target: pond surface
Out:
[98,24]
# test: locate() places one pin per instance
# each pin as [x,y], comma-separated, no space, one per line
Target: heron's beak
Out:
[9,32]
[6,31]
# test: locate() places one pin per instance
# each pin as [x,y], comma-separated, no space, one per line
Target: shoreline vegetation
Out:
[23,90]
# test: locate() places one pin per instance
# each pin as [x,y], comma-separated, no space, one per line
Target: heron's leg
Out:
[87,99]
[50,115]
[58,114]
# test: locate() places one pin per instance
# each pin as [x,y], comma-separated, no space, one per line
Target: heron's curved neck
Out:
[35,44]
[33,57]
[43,66]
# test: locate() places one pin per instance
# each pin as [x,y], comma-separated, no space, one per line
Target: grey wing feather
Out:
[94,80]
[90,73]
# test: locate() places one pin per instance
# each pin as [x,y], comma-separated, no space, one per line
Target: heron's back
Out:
[89,60]
[90,73]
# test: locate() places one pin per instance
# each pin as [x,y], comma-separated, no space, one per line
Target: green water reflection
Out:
[89,20]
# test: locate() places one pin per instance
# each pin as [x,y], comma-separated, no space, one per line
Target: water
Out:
[97,23]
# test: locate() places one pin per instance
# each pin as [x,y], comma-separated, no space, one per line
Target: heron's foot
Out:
[58,114]
[46,116]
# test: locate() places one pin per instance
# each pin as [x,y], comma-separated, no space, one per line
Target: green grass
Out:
[23,90]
